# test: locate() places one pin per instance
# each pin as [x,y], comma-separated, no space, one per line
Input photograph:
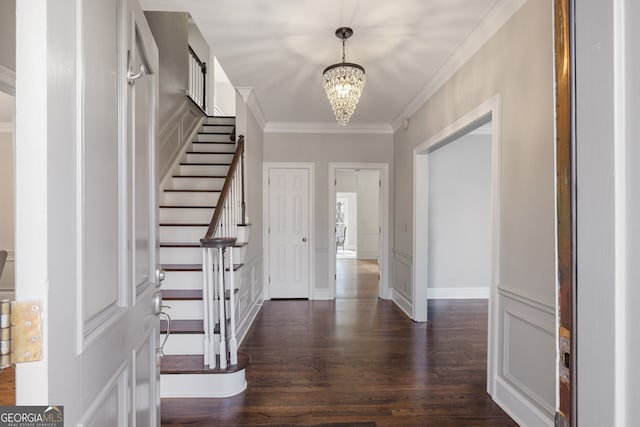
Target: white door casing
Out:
[288,222]
[90,195]
[489,110]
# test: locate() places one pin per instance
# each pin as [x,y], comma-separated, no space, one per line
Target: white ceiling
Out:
[280,48]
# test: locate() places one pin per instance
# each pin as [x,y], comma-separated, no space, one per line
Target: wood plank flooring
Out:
[357,361]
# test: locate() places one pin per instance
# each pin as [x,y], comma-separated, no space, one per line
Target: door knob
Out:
[304,239]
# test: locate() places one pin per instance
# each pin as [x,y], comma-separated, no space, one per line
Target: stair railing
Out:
[220,343]
[197,89]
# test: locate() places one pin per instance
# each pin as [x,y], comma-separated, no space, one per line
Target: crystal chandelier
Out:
[343,82]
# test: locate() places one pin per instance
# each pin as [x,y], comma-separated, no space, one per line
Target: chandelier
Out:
[343,82]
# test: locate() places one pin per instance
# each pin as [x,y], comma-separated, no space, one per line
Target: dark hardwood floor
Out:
[8,387]
[357,361]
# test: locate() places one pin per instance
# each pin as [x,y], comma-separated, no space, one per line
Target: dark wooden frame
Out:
[566,215]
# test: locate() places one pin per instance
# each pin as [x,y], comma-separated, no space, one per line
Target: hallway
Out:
[357,362]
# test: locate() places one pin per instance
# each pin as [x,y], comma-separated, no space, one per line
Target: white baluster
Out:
[223,321]
[233,342]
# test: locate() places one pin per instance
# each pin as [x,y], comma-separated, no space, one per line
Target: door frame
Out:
[266,168]
[384,291]
[488,110]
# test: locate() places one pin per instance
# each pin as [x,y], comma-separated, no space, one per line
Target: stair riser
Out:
[209,158]
[218,128]
[190,198]
[181,234]
[185,310]
[220,121]
[221,147]
[197,184]
[182,280]
[193,255]
[186,215]
[202,385]
[243,234]
[184,344]
[212,137]
[211,170]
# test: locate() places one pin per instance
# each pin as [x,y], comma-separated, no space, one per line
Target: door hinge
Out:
[20,332]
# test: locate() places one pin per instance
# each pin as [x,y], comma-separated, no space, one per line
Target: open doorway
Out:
[468,204]
[359,236]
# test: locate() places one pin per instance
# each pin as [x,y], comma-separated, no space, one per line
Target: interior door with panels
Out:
[288,228]
[100,353]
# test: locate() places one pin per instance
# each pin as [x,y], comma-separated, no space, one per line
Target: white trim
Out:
[384,291]
[117,383]
[518,407]
[493,21]
[621,230]
[491,108]
[517,295]
[402,302]
[458,293]
[266,167]
[7,127]
[333,128]
[252,103]
[321,294]
[7,81]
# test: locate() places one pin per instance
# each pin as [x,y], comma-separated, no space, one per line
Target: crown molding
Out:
[318,127]
[252,103]
[8,80]
[493,21]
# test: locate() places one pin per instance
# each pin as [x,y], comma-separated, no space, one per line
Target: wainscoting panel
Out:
[525,383]
[174,136]
[402,281]
[250,295]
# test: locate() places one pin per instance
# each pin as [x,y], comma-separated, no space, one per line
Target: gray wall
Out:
[517,64]
[460,214]
[170,32]
[7,206]
[8,34]
[321,149]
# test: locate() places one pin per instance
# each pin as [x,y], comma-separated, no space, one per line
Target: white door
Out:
[368,184]
[288,224]
[99,226]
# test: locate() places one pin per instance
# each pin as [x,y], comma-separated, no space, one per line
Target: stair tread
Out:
[199,176]
[192,191]
[188,294]
[187,207]
[180,224]
[194,364]
[211,152]
[181,295]
[183,327]
[213,142]
[215,133]
[204,164]
[193,244]
[191,267]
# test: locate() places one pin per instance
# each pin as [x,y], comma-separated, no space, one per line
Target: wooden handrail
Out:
[226,188]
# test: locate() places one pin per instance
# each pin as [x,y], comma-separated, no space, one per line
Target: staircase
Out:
[200,346]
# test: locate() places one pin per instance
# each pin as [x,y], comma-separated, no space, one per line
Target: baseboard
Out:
[245,325]
[524,412]
[321,294]
[458,293]
[402,302]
